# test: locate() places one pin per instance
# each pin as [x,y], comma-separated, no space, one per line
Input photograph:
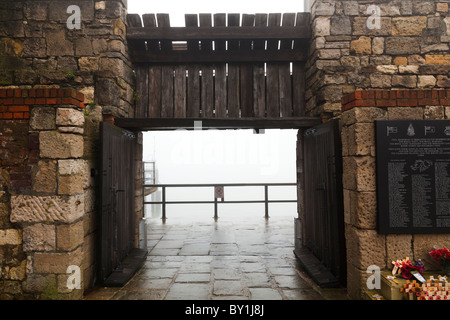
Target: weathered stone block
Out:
[58,45]
[320,8]
[56,145]
[56,262]
[10,237]
[39,237]
[434,112]
[69,117]
[321,27]
[361,209]
[69,236]
[408,26]
[437,59]
[423,7]
[404,81]
[29,209]
[402,45]
[341,25]
[361,46]
[365,248]
[44,177]
[42,118]
[359,173]
[387,69]
[378,45]
[426,82]
[360,27]
[361,139]
[34,48]
[363,115]
[380,81]
[405,113]
[443,81]
[72,184]
[408,69]
[398,246]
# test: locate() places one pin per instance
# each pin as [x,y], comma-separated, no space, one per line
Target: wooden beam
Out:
[219,33]
[194,123]
[218,56]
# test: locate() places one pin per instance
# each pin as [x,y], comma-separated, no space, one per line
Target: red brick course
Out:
[396,98]
[15,103]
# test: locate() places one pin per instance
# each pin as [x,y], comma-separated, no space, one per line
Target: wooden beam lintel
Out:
[205,124]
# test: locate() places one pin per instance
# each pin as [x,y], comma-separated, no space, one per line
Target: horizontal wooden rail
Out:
[219,33]
[203,123]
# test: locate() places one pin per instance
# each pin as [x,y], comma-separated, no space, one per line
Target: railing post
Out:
[216,217]
[266,192]
[164,203]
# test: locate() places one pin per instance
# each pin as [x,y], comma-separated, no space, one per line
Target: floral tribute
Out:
[441,256]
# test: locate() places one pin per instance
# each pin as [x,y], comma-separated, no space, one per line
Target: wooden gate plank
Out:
[220,77]
[154,82]
[167,93]
[193,83]
[164,22]
[149,20]
[233,72]
[180,91]
[285,71]
[273,101]
[259,78]
[142,91]
[246,73]
[207,81]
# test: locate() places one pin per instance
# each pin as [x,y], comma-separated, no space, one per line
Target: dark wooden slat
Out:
[180,91]
[191,20]
[242,123]
[272,73]
[220,78]
[284,70]
[260,21]
[154,82]
[288,21]
[259,79]
[246,73]
[220,21]
[220,33]
[220,91]
[302,22]
[233,72]
[298,87]
[233,90]
[207,91]
[274,24]
[163,23]
[193,91]
[206,21]
[167,91]
[142,90]
[134,20]
[149,20]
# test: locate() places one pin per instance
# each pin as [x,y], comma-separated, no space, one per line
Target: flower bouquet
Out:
[409,267]
[442,257]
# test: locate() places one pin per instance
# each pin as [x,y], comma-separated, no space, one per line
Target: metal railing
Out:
[218,194]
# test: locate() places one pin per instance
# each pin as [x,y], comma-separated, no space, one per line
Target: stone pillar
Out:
[358,45]
[50,142]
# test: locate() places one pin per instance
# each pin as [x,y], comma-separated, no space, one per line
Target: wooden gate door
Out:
[324,242]
[118,257]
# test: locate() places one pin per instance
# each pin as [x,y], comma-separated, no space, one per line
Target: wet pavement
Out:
[234,258]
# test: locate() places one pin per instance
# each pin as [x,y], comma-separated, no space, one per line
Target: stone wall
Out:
[56,85]
[374,60]
[365,246]
[407,47]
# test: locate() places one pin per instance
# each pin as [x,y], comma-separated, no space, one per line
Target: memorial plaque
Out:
[413,176]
